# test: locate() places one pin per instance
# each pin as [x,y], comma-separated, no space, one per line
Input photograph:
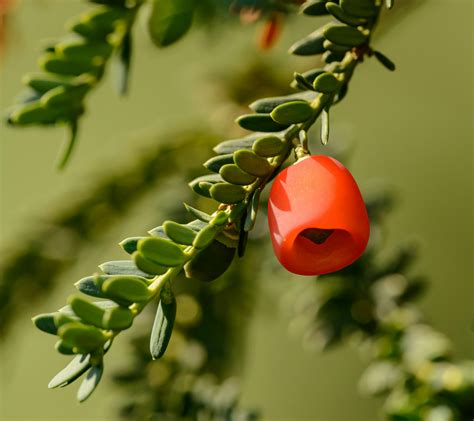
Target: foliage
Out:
[29,268]
[192,380]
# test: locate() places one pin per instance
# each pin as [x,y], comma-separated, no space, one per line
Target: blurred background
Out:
[410,130]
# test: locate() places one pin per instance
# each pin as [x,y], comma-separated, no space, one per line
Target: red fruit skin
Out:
[317,192]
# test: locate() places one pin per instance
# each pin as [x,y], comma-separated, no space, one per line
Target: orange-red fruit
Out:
[270,32]
[317,217]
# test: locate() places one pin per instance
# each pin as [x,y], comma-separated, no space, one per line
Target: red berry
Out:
[317,217]
[270,32]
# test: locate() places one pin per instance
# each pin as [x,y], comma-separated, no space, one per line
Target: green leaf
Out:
[220,218]
[179,233]
[81,336]
[106,17]
[122,64]
[117,318]
[345,35]
[86,311]
[64,317]
[82,49]
[89,30]
[161,251]
[310,45]
[335,48]
[67,310]
[314,8]
[344,17]
[63,348]
[234,175]
[65,95]
[332,57]
[201,185]
[252,210]
[163,324]
[122,267]
[45,322]
[202,216]
[91,381]
[36,113]
[75,369]
[389,3]
[325,126]
[215,163]
[210,263]
[292,112]
[260,123]
[359,8]
[251,163]
[197,225]
[232,145]
[170,20]
[43,82]
[305,80]
[312,74]
[157,232]
[129,289]
[205,237]
[236,212]
[147,265]
[341,93]
[243,238]
[267,105]
[129,245]
[300,82]
[227,193]
[68,145]
[326,83]
[52,63]
[385,61]
[92,285]
[268,146]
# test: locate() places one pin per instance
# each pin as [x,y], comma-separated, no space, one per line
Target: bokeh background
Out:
[411,130]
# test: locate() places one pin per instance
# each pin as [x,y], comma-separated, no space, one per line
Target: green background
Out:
[411,129]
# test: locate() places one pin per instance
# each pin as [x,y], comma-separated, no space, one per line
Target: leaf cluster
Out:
[71,68]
